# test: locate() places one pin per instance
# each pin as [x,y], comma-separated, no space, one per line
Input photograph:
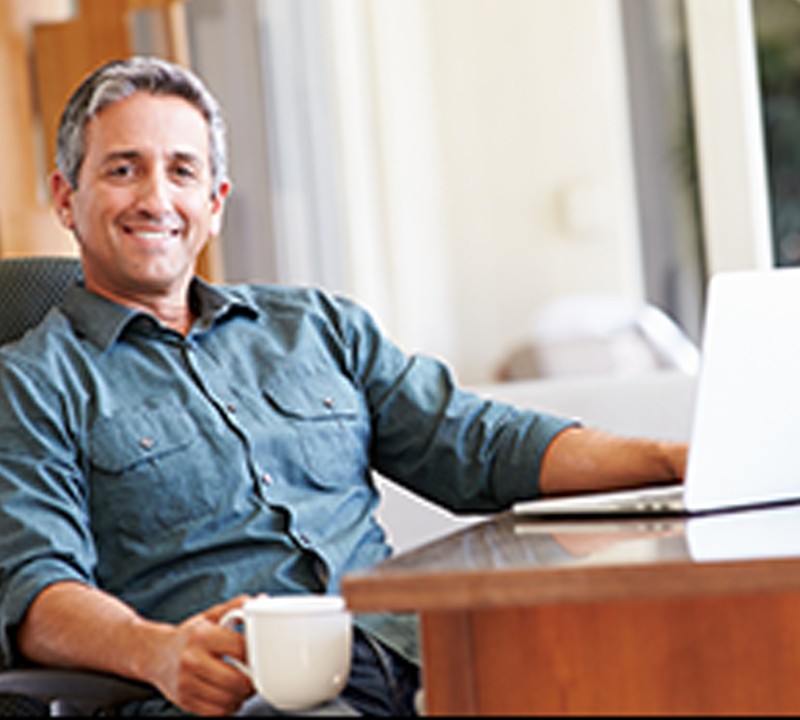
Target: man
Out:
[171,448]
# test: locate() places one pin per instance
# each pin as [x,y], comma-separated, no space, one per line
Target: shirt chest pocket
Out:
[330,423]
[144,478]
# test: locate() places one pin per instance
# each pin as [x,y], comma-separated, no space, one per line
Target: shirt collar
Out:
[103,321]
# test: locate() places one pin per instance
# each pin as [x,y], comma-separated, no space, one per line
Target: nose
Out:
[154,194]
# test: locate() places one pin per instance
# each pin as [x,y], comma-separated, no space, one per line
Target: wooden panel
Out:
[27,223]
[705,655]
[448,678]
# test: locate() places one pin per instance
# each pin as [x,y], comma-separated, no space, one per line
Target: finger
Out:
[208,680]
[203,699]
[216,612]
[214,641]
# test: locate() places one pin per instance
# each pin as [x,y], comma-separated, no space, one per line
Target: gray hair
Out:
[118,80]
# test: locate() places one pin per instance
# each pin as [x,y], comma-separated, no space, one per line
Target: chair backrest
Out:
[29,287]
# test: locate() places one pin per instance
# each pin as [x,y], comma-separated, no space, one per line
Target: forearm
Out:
[582,459]
[74,625]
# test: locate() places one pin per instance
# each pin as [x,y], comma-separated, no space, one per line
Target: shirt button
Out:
[146,443]
[230,407]
[329,402]
[266,478]
[305,539]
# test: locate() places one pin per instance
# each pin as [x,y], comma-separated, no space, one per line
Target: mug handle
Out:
[229,619]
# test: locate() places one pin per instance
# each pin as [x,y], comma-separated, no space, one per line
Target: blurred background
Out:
[475,172]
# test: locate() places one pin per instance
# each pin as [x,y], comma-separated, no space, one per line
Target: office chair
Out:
[29,288]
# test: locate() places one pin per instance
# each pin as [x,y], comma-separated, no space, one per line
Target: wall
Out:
[520,136]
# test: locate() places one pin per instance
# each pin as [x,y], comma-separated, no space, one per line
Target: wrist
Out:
[146,642]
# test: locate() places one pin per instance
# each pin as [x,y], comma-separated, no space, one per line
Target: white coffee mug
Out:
[298,647]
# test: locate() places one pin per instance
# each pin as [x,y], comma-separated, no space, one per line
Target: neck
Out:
[178,317]
[172,310]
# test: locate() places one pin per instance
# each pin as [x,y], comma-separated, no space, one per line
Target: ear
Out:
[217,209]
[62,193]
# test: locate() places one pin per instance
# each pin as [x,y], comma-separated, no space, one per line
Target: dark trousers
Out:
[381,681]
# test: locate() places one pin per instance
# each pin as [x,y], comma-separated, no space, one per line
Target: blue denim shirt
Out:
[176,472]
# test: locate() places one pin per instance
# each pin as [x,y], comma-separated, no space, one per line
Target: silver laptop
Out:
[745,438]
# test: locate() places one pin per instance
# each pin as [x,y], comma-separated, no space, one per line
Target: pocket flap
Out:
[123,440]
[312,393]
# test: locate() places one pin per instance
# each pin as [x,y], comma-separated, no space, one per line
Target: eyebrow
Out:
[188,157]
[179,155]
[121,155]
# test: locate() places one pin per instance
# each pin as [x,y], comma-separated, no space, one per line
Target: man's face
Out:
[143,210]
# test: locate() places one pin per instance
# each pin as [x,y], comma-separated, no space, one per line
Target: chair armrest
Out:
[79,690]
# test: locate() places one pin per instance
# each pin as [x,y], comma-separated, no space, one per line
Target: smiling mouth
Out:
[152,236]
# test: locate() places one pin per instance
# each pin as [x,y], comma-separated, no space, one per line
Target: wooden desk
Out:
[603,617]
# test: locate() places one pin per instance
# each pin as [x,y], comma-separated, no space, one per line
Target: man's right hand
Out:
[190,669]
[77,626]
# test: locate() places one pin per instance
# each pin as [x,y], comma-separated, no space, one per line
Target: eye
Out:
[121,170]
[184,172]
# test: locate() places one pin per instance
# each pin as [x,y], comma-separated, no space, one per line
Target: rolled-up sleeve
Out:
[454,447]
[45,534]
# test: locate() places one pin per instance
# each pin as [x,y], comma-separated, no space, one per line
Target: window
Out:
[778,36]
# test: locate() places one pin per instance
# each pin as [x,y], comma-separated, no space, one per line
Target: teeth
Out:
[161,235]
